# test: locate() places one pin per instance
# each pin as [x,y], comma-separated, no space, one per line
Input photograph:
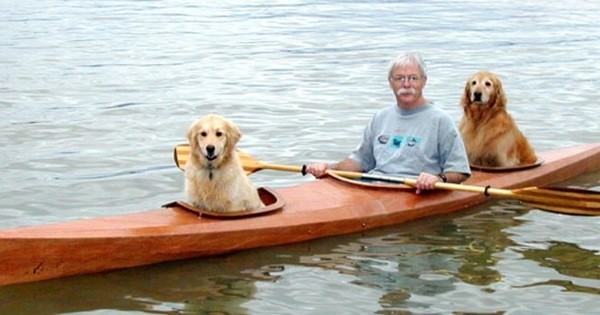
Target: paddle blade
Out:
[561,200]
[249,163]
[181,155]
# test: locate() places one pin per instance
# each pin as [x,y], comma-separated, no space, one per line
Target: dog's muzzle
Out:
[477,97]
[210,153]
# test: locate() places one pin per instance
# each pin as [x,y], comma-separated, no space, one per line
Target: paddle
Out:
[562,200]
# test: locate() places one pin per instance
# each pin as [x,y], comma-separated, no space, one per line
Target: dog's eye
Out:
[473,82]
[488,83]
[219,133]
[203,133]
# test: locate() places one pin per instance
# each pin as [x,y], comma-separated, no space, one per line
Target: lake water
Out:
[95,94]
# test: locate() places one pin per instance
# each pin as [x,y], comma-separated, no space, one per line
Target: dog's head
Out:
[483,90]
[212,140]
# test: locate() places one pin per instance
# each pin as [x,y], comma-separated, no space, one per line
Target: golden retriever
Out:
[214,177]
[491,136]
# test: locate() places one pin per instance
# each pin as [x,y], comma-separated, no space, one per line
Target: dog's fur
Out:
[215,179]
[491,136]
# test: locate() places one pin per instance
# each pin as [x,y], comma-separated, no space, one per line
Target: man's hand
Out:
[427,181]
[317,169]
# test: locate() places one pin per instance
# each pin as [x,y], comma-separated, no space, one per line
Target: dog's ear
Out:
[499,95]
[233,135]
[465,100]
[191,134]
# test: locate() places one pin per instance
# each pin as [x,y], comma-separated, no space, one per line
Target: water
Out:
[96,93]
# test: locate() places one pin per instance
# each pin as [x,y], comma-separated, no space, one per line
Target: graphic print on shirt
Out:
[398,141]
[383,139]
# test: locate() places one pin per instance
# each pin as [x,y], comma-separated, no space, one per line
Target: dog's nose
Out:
[210,149]
[477,96]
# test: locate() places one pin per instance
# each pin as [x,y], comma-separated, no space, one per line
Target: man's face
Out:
[407,84]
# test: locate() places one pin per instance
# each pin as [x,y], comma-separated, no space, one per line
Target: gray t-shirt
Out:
[407,142]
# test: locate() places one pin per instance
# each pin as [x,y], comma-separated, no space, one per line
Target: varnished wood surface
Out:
[312,210]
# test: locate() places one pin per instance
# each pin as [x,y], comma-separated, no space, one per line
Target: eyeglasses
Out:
[411,78]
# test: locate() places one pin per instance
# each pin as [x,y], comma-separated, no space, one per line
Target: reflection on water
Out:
[569,260]
[95,94]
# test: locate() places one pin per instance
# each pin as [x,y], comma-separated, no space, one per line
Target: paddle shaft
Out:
[391,179]
[285,168]
[538,196]
[533,195]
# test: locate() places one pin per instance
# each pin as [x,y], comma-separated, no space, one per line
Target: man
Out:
[412,138]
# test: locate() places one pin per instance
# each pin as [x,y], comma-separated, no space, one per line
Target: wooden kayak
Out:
[311,210]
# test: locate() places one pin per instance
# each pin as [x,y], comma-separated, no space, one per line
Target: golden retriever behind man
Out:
[214,177]
[491,136]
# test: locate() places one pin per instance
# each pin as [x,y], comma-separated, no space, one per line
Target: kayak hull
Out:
[312,210]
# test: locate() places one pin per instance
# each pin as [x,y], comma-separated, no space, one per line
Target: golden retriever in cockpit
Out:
[214,177]
[491,136]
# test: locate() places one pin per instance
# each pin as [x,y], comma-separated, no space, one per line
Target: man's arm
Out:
[454,177]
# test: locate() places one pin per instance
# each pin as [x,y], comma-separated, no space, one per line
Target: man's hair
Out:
[410,58]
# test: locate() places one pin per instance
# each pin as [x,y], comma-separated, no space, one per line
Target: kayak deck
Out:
[312,210]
